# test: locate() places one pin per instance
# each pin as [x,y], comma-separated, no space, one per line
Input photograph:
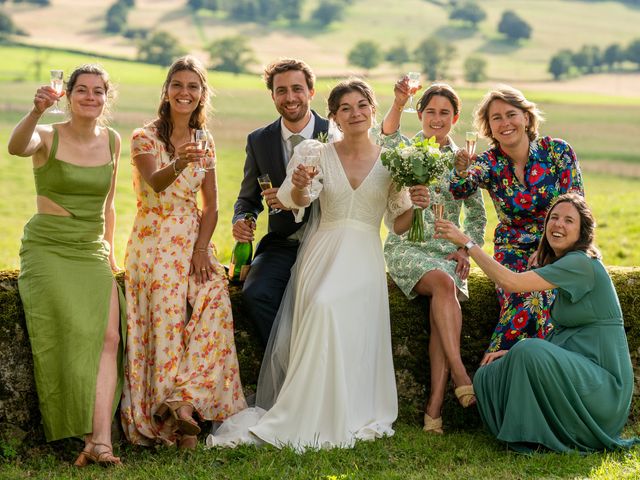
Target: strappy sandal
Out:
[186,426]
[432,425]
[104,458]
[465,395]
[187,442]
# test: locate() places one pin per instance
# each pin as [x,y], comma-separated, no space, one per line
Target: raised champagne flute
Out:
[414,83]
[471,139]
[57,83]
[201,138]
[265,183]
[312,166]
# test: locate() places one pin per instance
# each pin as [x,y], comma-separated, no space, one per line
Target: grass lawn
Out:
[409,454]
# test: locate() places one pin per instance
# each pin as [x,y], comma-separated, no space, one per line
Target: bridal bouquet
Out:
[419,163]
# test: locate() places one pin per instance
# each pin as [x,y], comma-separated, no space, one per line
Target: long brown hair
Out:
[586,238]
[198,118]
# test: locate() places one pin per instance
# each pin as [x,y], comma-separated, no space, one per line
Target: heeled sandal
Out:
[186,426]
[465,395]
[105,458]
[432,425]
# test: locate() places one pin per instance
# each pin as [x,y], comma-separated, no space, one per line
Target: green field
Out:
[600,127]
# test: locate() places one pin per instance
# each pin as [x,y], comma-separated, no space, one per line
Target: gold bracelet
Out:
[398,108]
[200,249]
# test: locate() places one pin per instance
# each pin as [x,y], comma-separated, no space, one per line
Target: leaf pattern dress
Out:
[180,344]
[552,169]
[407,261]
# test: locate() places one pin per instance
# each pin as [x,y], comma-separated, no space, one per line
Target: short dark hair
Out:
[586,239]
[285,65]
[442,89]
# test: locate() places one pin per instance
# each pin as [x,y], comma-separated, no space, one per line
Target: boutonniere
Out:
[323,137]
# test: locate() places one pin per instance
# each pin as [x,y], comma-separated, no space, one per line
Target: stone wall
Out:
[19,415]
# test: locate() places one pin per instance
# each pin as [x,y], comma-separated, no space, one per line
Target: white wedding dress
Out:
[339,384]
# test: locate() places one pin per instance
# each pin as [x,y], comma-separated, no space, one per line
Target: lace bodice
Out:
[374,198]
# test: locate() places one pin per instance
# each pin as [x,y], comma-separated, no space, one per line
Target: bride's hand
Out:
[300,177]
[420,196]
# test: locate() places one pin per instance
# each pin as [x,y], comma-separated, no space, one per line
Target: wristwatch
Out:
[469,245]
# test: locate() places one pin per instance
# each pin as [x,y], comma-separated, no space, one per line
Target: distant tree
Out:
[633,52]
[513,26]
[196,5]
[127,3]
[160,48]
[231,54]
[328,12]
[588,59]
[7,27]
[291,9]
[136,33]
[469,12]
[269,10]
[613,55]
[475,68]
[560,64]
[42,3]
[398,55]
[245,10]
[116,18]
[365,54]
[434,55]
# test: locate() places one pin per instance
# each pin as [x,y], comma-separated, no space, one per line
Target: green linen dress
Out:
[65,284]
[407,262]
[571,391]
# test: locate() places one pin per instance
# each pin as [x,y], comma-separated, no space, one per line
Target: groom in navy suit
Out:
[269,149]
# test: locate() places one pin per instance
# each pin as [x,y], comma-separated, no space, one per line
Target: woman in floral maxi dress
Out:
[523,173]
[181,357]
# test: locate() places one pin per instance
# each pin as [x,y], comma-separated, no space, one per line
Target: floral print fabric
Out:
[407,261]
[552,169]
[180,344]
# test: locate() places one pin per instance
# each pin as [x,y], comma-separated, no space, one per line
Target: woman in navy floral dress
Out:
[523,173]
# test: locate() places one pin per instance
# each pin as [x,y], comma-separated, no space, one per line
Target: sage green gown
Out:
[571,391]
[65,285]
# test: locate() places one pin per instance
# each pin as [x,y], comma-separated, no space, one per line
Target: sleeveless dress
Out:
[65,284]
[180,345]
[339,384]
[573,390]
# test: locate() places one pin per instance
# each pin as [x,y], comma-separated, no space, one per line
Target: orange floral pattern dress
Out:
[180,344]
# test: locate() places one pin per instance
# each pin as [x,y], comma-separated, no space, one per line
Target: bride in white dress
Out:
[327,378]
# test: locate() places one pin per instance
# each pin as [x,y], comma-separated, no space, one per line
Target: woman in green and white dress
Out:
[435,268]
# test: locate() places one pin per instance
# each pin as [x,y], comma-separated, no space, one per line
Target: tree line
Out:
[591,58]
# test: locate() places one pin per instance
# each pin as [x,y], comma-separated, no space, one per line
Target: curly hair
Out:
[513,97]
[198,119]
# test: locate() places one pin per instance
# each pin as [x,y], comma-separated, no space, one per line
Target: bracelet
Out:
[399,108]
[470,244]
[200,249]
[176,172]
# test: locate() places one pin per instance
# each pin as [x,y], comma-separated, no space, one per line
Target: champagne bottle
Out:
[241,256]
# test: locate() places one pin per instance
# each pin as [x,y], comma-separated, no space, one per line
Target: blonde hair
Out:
[513,97]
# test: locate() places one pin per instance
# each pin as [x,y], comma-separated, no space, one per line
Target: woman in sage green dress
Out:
[435,268]
[73,307]
[572,390]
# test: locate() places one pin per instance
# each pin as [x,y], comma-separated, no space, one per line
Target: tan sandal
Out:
[104,458]
[432,425]
[465,395]
[186,426]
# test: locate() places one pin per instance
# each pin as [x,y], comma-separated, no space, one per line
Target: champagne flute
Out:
[312,166]
[438,210]
[472,139]
[202,142]
[265,183]
[414,83]
[57,83]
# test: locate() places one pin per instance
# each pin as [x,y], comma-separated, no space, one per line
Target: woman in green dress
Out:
[435,268]
[73,307]
[572,390]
